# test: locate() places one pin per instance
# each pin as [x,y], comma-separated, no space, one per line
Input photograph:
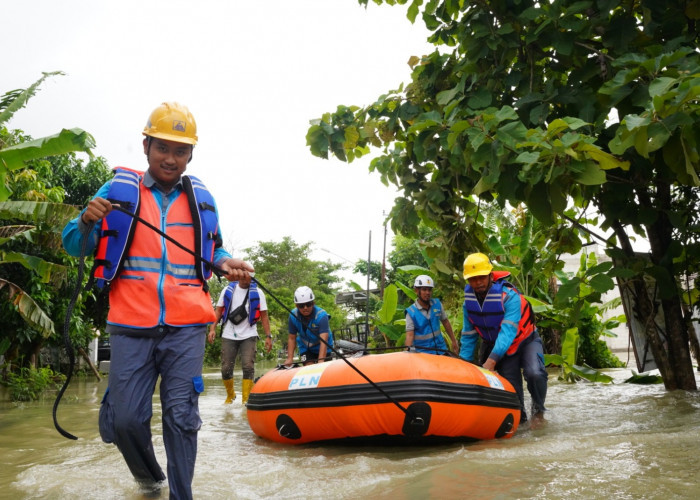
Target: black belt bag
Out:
[239,314]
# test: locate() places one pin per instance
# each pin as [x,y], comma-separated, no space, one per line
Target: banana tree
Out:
[575,311]
[35,213]
[16,156]
[389,319]
[19,219]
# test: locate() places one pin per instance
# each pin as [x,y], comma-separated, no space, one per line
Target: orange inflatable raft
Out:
[410,398]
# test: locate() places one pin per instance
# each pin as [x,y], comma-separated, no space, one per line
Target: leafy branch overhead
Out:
[578,110]
[16,156]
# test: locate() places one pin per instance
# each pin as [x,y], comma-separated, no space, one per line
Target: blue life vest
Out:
[427,336]
[118,228]
[308,336]
[253,302]
[487,317]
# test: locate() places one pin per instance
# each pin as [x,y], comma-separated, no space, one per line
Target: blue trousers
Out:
[126,411]
[528,362]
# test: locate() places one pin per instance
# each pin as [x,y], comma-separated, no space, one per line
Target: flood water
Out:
[617,441]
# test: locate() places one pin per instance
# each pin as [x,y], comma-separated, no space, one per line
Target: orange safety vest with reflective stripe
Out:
[159,283]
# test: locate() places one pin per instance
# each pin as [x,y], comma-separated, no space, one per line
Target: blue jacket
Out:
[504,319]
[308,337]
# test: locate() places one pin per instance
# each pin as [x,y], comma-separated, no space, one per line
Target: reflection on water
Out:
[600,441]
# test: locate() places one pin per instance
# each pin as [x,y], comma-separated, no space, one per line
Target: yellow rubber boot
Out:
[247,386]
[230,393]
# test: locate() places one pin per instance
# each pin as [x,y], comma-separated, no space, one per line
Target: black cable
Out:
[66,333]
[337,353]
[215,269]
[219,272]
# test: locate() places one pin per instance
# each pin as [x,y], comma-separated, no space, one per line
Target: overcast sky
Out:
[253,73]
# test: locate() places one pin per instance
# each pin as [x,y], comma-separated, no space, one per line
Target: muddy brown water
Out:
[600,441]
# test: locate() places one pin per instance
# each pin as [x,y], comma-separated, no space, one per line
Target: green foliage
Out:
[34,270]
[15,156]
[30,383]
[575,312]
[519,106]
[212,352]
[643,379]
[389,319]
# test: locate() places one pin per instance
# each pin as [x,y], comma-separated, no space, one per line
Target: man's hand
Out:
[97,209]
[235,269]
[490,364]
[268,344]
[212,333]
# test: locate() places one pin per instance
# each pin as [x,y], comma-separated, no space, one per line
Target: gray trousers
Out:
[126,411]
[229,351]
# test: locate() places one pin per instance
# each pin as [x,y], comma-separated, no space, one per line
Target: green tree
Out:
[576,109]
[33,267]
[15,156]
[282,267]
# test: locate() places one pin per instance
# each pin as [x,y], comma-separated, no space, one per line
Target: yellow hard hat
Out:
[477,264]
[172,122]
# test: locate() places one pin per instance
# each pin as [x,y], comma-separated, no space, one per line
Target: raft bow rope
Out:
[416,423]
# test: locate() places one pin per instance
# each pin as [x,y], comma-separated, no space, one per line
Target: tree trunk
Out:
[692,336]
[673,358]
[678,369]
[90,363]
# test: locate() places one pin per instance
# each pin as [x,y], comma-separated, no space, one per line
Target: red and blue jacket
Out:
[504,319]
[152,281]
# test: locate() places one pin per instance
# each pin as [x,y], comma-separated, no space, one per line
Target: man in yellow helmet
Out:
[158,295]
[495,311]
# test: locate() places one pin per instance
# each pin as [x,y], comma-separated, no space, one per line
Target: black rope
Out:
[337,353]
[66,333]
[219,272]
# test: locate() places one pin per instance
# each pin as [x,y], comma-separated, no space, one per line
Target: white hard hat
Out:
[423,280]
[303,294]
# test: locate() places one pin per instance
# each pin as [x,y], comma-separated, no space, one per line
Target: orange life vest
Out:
[153,290]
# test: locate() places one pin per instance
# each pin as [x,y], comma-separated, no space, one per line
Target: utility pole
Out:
[381,286]
[369,257]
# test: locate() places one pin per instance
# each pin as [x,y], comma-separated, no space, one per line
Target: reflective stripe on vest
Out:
[118,227]
[487,318]
[253,302]
[426,333]
[159,283]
